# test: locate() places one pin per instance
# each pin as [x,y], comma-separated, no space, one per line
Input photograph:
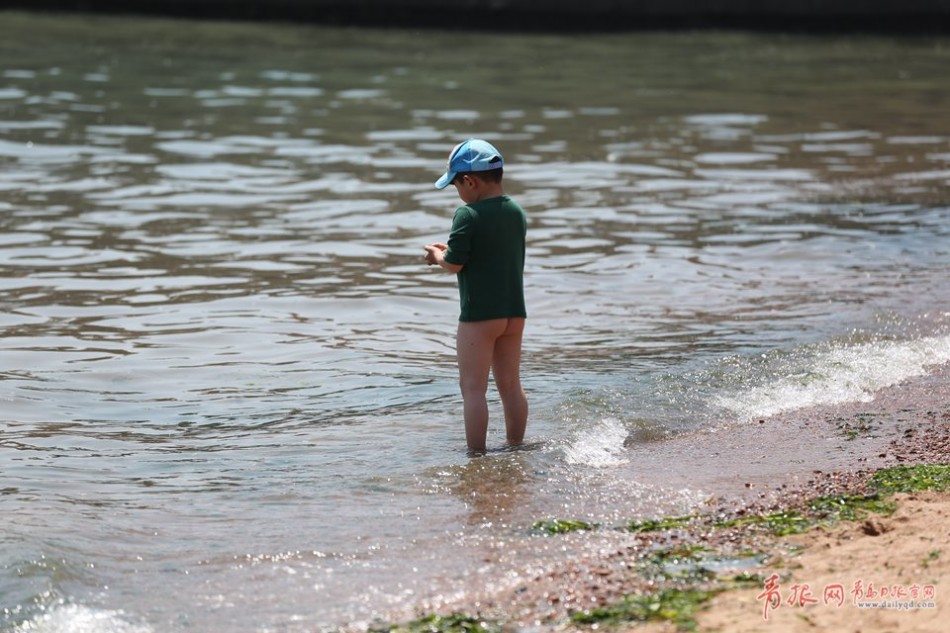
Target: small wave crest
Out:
[71,618]
[600,445]
[839,374]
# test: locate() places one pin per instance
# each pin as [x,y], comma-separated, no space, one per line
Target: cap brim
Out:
[445,180]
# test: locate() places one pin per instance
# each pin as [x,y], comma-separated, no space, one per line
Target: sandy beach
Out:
[896,562]
[899,563]
[866,568]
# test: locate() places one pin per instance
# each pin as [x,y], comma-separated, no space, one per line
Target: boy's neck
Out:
[489,190]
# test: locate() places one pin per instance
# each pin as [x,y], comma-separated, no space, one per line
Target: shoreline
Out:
[719,559]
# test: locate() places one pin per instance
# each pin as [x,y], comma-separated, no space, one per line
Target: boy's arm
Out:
[435,255]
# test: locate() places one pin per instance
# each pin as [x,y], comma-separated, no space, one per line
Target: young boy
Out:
[486,250]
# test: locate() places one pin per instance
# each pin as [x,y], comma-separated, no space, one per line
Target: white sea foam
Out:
[71,618]
[598,446]
[841,374]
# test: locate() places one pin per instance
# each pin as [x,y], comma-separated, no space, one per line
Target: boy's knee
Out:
[507,379]
[509,388]
[473,387]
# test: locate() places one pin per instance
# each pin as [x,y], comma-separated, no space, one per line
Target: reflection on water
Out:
[227,385]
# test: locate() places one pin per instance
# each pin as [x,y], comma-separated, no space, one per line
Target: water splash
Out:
[71,618]
[840,374]
[599,446]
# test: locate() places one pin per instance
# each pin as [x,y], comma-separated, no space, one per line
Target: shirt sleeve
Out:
[460,238]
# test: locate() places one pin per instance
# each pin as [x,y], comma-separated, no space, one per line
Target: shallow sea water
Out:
[227,385]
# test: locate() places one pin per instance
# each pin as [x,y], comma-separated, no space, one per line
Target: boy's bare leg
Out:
[491,345]
[506,368]
[475,346]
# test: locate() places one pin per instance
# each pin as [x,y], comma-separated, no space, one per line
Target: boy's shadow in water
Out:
[496,484]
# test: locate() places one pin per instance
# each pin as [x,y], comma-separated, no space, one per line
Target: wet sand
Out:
[759,468]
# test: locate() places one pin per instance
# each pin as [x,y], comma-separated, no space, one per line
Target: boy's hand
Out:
[434,253]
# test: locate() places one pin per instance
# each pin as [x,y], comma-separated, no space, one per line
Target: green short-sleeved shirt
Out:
[488,240]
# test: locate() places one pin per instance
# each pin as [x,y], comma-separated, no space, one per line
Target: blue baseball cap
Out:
[471,155]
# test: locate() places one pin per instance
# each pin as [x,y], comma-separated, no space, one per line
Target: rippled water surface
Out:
[227,380]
